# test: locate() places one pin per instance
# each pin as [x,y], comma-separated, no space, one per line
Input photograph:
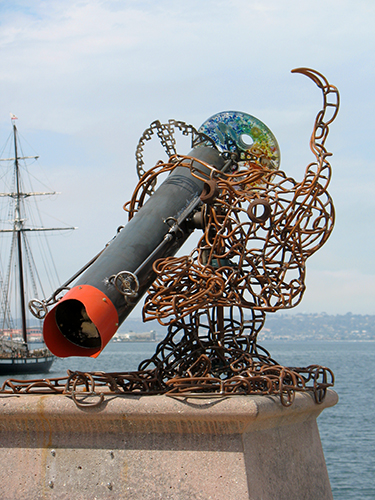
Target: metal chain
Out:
[165,133]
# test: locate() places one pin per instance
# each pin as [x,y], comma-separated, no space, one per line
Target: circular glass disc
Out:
[244,134]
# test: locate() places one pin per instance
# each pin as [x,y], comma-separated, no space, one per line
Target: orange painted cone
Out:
[86,310]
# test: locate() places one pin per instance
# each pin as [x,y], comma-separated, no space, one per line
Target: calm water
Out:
[347,430]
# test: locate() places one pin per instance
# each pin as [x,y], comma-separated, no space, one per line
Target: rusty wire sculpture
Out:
[259,227]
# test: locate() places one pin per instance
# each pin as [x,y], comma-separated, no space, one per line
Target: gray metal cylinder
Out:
[146,230]
[85,319]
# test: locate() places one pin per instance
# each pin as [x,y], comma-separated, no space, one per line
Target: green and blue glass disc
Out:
[244,134]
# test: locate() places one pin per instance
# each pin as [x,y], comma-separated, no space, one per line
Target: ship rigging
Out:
[20,276]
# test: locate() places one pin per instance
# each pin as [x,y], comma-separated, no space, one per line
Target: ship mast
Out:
[18,225]
[19,228]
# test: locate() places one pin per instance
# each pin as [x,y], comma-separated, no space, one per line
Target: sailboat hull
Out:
[23,365]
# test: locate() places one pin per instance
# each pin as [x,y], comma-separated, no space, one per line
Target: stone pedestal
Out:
[158,447]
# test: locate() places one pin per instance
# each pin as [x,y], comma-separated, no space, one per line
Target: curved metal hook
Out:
[322,82]
[314,75]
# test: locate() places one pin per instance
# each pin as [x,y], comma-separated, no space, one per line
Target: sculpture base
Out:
[150,447]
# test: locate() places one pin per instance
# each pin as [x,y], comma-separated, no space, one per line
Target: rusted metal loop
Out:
[84,395]
[287,387]
[319,395]
[287,397]
[87,379]
[251,210]
[210,191]
[320,387]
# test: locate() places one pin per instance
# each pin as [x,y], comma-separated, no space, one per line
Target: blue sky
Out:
[85,78]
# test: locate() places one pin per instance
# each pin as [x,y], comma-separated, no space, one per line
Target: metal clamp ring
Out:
[126,283]
[170,221]
[252,213]
[210,191]
[175,229]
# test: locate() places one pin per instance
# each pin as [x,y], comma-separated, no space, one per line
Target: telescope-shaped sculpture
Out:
[259,227]
[88,316]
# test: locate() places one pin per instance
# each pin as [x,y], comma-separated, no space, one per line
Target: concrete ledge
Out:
[150,447]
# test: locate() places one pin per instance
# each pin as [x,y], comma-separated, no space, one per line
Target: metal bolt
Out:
[53,453]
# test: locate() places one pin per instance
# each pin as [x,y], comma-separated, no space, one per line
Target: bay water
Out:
[347,430]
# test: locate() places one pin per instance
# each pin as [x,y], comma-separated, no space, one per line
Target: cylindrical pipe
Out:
[87,317]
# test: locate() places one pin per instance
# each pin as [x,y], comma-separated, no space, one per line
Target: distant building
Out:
[135,337]
[34,334]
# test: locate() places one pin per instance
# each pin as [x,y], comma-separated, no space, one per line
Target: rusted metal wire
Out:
[259,228]
[258,378]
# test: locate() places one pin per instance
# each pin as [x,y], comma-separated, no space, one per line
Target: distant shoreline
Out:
[291,327]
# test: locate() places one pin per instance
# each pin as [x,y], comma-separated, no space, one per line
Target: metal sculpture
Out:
[259,228]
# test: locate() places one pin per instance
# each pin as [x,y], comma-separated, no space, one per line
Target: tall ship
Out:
[26,262]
